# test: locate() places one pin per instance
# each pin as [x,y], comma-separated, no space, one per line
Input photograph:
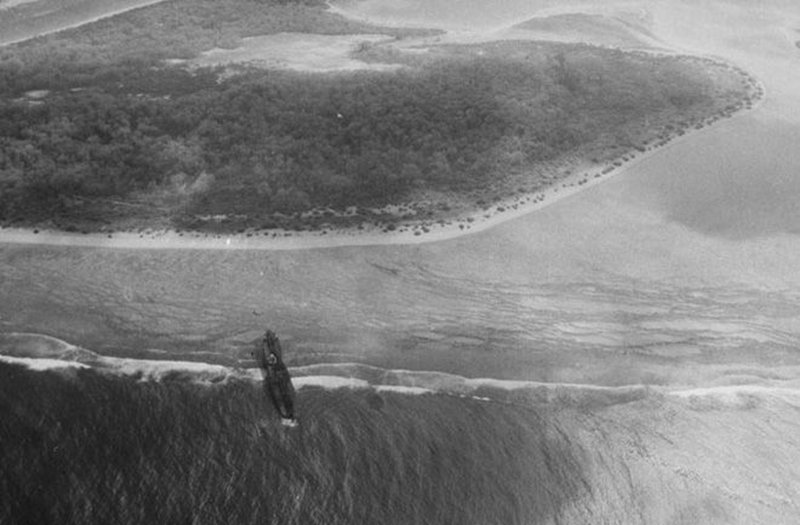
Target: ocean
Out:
[627,355]
[93,439]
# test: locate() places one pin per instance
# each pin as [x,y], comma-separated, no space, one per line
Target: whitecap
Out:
[41,364]
[329,382]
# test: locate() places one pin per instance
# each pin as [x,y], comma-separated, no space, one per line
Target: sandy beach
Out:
[62,27]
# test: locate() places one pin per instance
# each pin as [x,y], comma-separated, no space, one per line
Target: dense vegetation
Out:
[173,29]
[114,135]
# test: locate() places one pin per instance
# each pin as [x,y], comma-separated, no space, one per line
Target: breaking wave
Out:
[145,440]
[41,352]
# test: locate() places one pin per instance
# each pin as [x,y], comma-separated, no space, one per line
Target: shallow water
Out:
[469,15]
[599,287]
[681,273]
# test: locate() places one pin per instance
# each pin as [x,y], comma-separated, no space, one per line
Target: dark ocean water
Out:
[111,442]
[86,438]
[93,449]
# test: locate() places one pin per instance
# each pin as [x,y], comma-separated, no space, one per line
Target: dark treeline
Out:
[298,141]
[173,29]
[284,141]
[95,126]
[265,142]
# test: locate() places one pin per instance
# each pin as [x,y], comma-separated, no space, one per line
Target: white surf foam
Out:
[329,382]
[738,396]
[43,353]
[156,370]
[410,390]
[40,352]
[41,364]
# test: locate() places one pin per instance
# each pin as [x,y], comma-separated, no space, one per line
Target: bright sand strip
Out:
[116,12]
[8,4]
[286,240]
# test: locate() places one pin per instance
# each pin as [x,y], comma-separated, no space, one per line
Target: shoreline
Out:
[409,234]
[74,25]
[403,233]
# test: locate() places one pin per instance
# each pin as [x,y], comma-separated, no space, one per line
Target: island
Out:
[283,118]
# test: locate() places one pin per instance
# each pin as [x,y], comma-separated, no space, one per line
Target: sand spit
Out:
[8,4]
[115,12]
